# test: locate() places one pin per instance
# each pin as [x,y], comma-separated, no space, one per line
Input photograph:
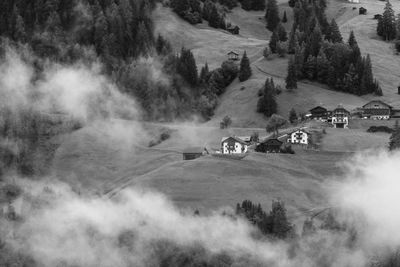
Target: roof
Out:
[378,101]
[233,52]
[272,141]
[301,130]
[193,150]
[245,138]
[340,108]
[237,139]
[318,107]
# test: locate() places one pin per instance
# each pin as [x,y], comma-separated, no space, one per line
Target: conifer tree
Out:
[282,35]
[245,68]
[315,41]
[291,78]
[284,18]
[356,54]
[394,142]
[292,116]
[258,5]
[333,33]
[322,67]
[299,61]
[367,76]
[204,74]
[273,41]
[272,15]
[214,19]
[267,103]
[293,41]
[247,4]
[387,24]
[310,67]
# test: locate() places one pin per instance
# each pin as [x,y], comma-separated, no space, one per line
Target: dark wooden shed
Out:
[362,11]
[272,145]
[191,153]
[319,113]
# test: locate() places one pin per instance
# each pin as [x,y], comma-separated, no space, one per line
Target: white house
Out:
[233,145]
[340,117]
[299,137]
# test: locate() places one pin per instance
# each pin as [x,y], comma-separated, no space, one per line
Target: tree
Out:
[267,103]
[356,54]
[282,33]
[387,24]
[281,227]
[322,67]
[292,116]
[204,74]
[247,4]
[284,18]
[258,5]
[291,78]
[272,15]
[274,41]
[187,67]
[245,69]
[333,34]
[214,19]
[275,123]
[226,122]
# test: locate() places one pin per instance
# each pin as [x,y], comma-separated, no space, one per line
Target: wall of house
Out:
[239,148]
[303,140]
[340,119]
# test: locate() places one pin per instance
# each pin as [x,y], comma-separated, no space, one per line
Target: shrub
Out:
[383,129]
[226,122]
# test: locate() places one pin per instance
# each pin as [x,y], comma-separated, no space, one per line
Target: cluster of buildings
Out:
[339,117]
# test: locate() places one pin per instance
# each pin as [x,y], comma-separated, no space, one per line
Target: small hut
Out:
[362,11]
[191,153]
[233,29]
[232,55]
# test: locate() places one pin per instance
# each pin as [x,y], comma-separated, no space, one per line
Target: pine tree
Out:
[367,77]
[267,103]
[394,142]
[310,67]
[299,61]
[204,74]
[315,41]
[284,18]
[293,41]
[187,67]
[281,228]
[333,33]
[273,41]
[356,54]
[245,69]
[215,19]
[258,5]
[291,78]
[292,116]
[282,35]
[247,4]
[387,25]
[272,15]
[322,67]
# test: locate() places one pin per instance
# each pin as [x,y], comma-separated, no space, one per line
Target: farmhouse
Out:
[362,11]
[191,153]
[233,145]
[271,145]
[340,117]
[319,113]
[299,137]
[377,110]
[232,55]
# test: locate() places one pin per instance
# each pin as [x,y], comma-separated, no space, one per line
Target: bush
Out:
[382,129]
[226,122]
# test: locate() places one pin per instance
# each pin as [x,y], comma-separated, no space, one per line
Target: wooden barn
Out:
[340,117]
[319,113]
[191,153]
[377,110]
[233,145]
[362,11]
[272,145]
[232,55]
[233,29]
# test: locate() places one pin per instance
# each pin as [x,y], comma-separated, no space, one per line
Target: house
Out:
[354,1]
[233,29]
[191,153]
[233,145]
[272,145]
[362,11]
[232,55]
[340,117]
[299,137]
[319,113]
[377,110]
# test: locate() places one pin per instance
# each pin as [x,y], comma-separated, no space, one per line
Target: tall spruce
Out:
[333,34]
[284,18]
[272,15]
[267,102]
[282,33]
[245,68]
[291,78]
[387,23]
[273,41]
[394,142]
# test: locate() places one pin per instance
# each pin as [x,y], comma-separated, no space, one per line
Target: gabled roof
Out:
[233,52]
[318,107]
[193,150]
[301,130]
[340,108]
[273,141]
[378,101]
[235,138]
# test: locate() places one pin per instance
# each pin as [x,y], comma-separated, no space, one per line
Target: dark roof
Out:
[237,139]
[378,101]
[233,52]
[318,107]
[273,141]
[340,108]
[301,130]
[193,150]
